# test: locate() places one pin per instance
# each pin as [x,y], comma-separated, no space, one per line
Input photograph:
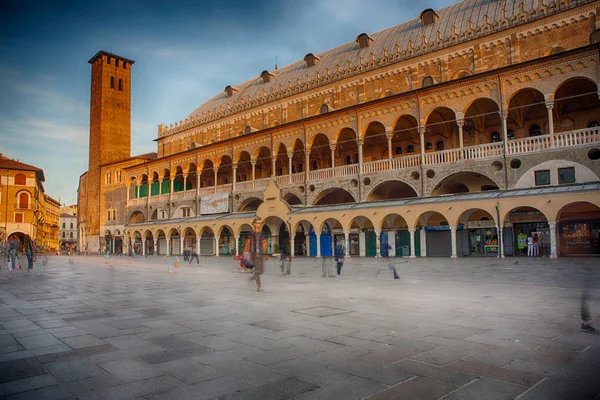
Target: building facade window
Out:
[428,81]
[542,177]
[107,178]
[510,134]
[23,201]
[410,148]
[496,137]
[20,179]
[398,150]
[71,235]
[428,146]
[120,84]
[439,146]
[593,124]
[108,215]
[566,175]
[187,212]
[71,225]
[118,176]
[535,130]
[63,225]
[18,218]
[63,234]
[112,82]
[114,215]
[324,109]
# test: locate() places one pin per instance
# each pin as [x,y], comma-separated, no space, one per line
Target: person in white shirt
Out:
[529,245]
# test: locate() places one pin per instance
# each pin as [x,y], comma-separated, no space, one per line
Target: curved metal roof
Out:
[457,15]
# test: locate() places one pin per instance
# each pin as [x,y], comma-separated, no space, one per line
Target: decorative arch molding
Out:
[442,174]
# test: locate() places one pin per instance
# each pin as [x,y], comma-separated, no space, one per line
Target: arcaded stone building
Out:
[457,133]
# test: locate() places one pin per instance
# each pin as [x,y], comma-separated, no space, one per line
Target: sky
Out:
[185,51]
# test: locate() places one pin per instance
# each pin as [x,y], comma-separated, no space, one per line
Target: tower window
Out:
[20,179]
[120,84]
[324,109]
[124,65]
[117,62]
[112,82]
[428,81]
[108,60]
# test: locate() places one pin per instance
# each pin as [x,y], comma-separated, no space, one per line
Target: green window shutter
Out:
[154,189]
[144,190]
[178,186]
[166,187]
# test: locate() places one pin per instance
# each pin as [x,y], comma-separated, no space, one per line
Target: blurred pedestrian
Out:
[282,262]
[194,255]
[339,258]
[586,316]
[30,253]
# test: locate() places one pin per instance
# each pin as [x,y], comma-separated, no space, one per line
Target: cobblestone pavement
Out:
[455,329]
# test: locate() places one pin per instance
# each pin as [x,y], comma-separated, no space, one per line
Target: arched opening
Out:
[436,235]
[23,200]
[526,108]
[275,236]
[292,199]
[395,237]
[154,184]
[320,153]
[406,136]
[363,240]
[375,146]
[207,242]
[576,102]
[298,159]
[132,188]
[334,196]
[106,243]
[263,163]
[137,217]
[175,242]
[226,242]
[482,118]
[331,240]
[207,177]
[24,240]
[192,177]
[479,234]
[390,190]
[521,223]
[189,241]
[302,239]
[143,186]
[165,187]
[178,181]
[464,182]
[282,161]
[250,204]
[225,173]
[578,229]
[441,126]
[245,238]
[161,242]
[244,167]
[148,243]
[137,243]
[346,148]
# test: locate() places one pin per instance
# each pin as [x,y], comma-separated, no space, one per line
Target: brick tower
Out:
[110,128]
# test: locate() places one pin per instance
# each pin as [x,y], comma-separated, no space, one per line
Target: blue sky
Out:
[185,53]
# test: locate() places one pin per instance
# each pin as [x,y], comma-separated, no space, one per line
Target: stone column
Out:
[181,245]
[553,243]
[412,242]
[550,107]
[216,170]
[172,182]
[184,182]
[143,246]
[307,242]
[155,247]
[306,163]
[253,162]
[504,117]
[216,243]
[274,165]
[378,244]
[389,137]
[237,245]
[318,235]
[360,143]
[461,124]
[292,240]
[290,155]
[234,177]
[168,246]
[128,189]
[332,147]
[137,191]
[423,243]
[198,246]
[500,242]
[453,236]
[422,143]
[198,176]
[346,244]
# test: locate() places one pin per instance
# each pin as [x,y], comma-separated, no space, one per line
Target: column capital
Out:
[360,141]
[216,169]
[549,105]
[421,130]
[453,228]
[378,232]
[412,230]
[290,154]
[389,135]
[332,146]
[552,224]
[503,114]
[460,122]
[253,162]
[234,165]
[307,152]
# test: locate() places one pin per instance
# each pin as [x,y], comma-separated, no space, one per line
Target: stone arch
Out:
[174,242]
[346,147]
[161,239]
[189,239]
[178,180]
[298,157]
[576,101]
[440,125]
[226,240]
[136,217]
[263,163]
[395,236]
[250,204]
[475,214]
[526,108]
[244,167]
[583,174]
[225,172]
[207,176]
[481,117]
[304,233]
[577,225]
[527,207]
[362,233]
[320,152]
[281,161]
[464,182]
[292,200]
[405,134]
[334,196]
[375,145]
[392,189]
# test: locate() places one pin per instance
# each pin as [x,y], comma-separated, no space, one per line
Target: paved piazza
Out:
[453,329]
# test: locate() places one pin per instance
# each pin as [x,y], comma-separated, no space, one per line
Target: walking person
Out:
[194,255]
[282,262]
[13,248]
[536,245]
[30,253]
[326,263]
[529,245]
[339,259]
[288,265]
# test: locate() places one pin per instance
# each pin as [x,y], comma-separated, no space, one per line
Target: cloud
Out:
[31,130]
